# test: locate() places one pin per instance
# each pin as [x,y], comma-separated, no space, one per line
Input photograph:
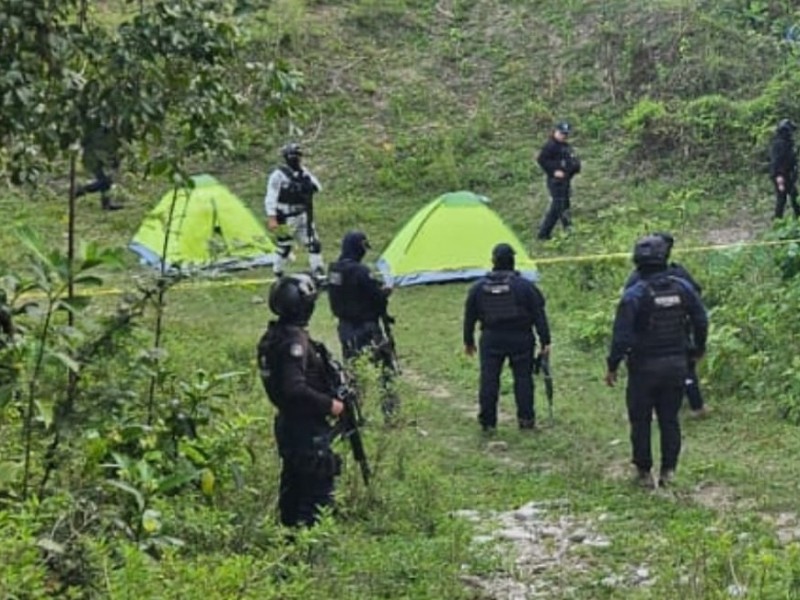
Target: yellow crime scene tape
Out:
[689,250]
[194,285]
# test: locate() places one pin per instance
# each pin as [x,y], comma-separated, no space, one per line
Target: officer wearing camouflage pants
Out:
[289,205]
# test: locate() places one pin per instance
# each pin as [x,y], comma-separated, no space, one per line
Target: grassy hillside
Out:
[672,104]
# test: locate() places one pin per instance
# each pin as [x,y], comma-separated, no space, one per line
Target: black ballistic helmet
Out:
[668,240]
[650,251]
[787,125]
[564,127]
[292,298]
[503,256]
[291,150]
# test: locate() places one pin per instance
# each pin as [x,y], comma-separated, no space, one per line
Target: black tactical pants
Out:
[495,347]
[656,384]
[559,208]
[302,493]
[356,338]
[789,192]
[308,469]
[102,183]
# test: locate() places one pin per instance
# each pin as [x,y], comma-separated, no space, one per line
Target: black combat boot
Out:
[107,204]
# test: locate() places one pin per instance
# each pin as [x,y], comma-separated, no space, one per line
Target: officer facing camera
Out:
[294,376]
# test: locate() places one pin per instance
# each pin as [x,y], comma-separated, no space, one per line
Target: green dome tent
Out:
[211,228]
[450,239]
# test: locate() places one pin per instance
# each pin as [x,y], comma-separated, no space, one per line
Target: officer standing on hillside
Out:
[560,163]
[289,205]
[294,377]
[693,394]
[650,334]
[783,167]
[359,301]
[507,306]
[6,321]
[100,157]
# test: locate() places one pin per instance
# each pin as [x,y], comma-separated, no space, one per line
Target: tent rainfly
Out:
[450,239]
[210,228]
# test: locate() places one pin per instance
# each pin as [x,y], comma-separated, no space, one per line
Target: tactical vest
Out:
[496,300]
[347,303]
[664,324]
[269,361]
[299,190]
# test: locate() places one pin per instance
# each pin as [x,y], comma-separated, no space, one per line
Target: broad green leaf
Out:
[129,489]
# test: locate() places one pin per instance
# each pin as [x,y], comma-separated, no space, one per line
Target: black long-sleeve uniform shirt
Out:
[782,156]
[628,325]
[555,156]
[294,373]
[526,295]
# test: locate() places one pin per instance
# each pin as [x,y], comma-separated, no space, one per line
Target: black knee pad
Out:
[284,250]
[314,247]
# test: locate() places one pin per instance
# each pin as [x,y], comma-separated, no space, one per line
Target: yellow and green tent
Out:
[450,239]
[210,227]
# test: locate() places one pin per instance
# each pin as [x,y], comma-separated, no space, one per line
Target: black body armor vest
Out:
[663,331]
[497,302]
[299,190]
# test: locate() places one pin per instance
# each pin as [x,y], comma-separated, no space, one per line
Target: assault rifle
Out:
[351,419]
[542,364]
[387,349]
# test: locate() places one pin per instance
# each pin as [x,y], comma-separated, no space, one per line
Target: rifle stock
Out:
[386,322]
[348,428]
[542,364]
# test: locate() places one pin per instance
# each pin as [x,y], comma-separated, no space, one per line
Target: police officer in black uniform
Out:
[560,163]
[294,377]
[693,393]
[783,167]
[508,307]
[100,157]
[650,334]
[357,299]
[6,321]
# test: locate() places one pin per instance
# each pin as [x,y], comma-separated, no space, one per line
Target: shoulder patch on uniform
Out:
[296,350]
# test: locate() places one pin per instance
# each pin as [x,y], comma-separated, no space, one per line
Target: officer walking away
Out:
[508,307]
[289,205]
[359,301]
[294,377]
[560,163]
[783,167]
[650,334]
[696,404]
[100,158]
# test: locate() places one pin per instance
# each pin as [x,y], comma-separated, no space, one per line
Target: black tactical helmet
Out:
[292,298]
[291,150]
[668,240]
[787,125]
[503,256]
[564,127]
[650,251]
